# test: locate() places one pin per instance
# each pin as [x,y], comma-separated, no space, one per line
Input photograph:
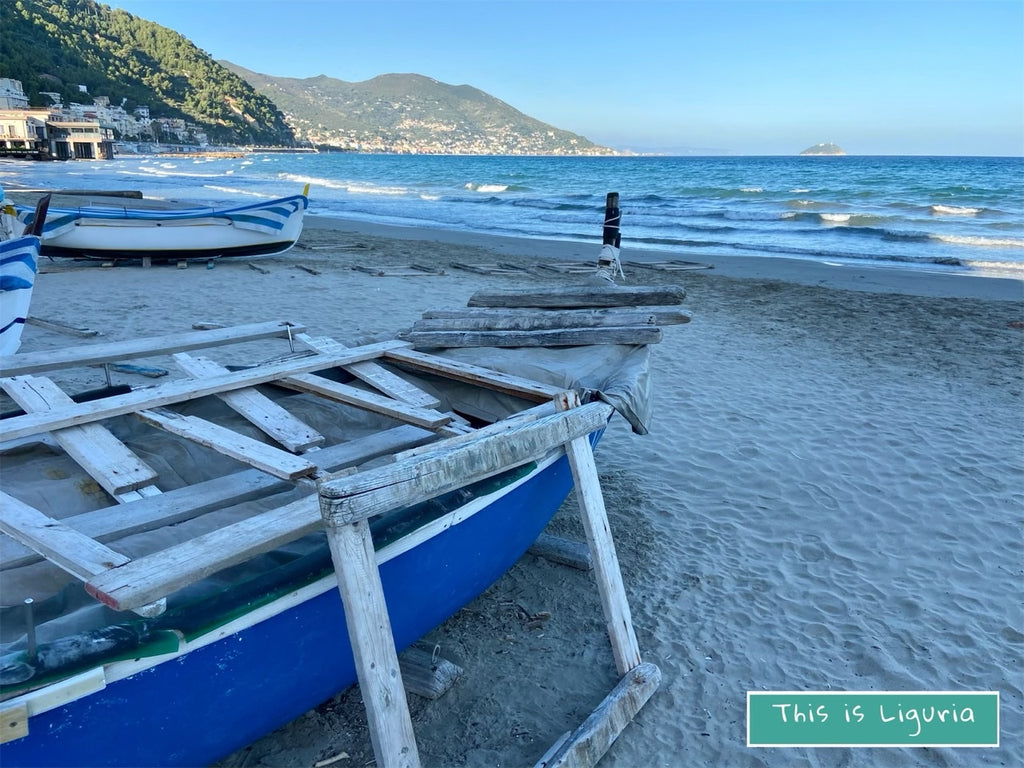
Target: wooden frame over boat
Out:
[454,484]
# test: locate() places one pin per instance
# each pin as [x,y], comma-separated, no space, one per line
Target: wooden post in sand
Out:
[612,218]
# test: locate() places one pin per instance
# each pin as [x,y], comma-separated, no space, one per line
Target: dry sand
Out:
[830,497]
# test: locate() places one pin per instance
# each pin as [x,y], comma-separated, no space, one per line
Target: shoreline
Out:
[873,278]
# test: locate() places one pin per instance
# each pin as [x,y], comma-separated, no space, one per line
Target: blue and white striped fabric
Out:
[18,266]
[268,217]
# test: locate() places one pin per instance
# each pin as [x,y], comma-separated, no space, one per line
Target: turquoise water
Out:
[925,212]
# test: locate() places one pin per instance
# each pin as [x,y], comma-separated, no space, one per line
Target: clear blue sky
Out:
[730,76]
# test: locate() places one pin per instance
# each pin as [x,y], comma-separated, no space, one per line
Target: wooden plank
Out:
[377,376]
[588,743]
[265,457]
[474,374]
[53,325]
[575,554]
[34,362]
[13,722]
[538,320]
[618,619]
[275,421]
[598,295]
[422,477]
[368,401]
[146,514]
[72,551]
[107,460]
[561,337]
[155,576]
[180,391]
[426,674]
[373,645]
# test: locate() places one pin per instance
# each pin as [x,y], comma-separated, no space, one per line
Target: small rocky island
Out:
[824,149]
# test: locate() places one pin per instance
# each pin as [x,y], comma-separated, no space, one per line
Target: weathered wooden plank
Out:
[107,460]
[34,362]
[617,615]
[72,551]
[377,376]
[155,576]
[474,374]
[54,325]
[562,337]
[588,743]
[539,320]
[275,421]
[230,443]
[369,401]
[598,295]
[373,646]
[422,477]
[180,391]
[146,514]
[427,675]
[575,554]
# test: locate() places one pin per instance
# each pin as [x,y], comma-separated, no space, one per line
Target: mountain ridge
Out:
[409,112]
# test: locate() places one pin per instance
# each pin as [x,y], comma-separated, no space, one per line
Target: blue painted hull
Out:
[18,267]
[197,708]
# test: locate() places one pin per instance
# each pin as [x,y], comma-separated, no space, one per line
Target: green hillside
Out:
[58,45]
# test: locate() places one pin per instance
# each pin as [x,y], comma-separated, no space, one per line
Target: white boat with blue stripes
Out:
[160,232]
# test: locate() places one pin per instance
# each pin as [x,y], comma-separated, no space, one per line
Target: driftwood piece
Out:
[426,674]
[560,337]
[53,325]
[575,554]
[597,295]
[540,319]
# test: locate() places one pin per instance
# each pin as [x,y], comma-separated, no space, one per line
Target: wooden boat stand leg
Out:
[376,659]
[373,646]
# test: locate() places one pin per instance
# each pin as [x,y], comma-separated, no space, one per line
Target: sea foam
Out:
[954,210]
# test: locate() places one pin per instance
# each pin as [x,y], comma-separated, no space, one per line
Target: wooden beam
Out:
[538,320]
[585,746]
[359,496]
[72,551]
[618,619]
[374,374]
[474,374]
[597,295]
[90,354]
[265,457]
[175,506]
[154,576]
[368,401]
[257,408]
[108,461]
[575,554]
[373,645]
[560,337]
[180,391]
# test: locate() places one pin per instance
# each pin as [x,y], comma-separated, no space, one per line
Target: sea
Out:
[934,213]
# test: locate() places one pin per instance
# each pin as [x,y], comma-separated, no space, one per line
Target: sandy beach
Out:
[830,497]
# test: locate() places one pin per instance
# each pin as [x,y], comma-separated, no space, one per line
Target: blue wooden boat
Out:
[202,658]
[166,232]
[18,267]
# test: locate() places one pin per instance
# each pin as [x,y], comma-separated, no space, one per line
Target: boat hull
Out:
[107,232]
[19,259]
[196,707]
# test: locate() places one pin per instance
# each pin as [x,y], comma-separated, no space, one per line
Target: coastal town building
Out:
[49,133]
